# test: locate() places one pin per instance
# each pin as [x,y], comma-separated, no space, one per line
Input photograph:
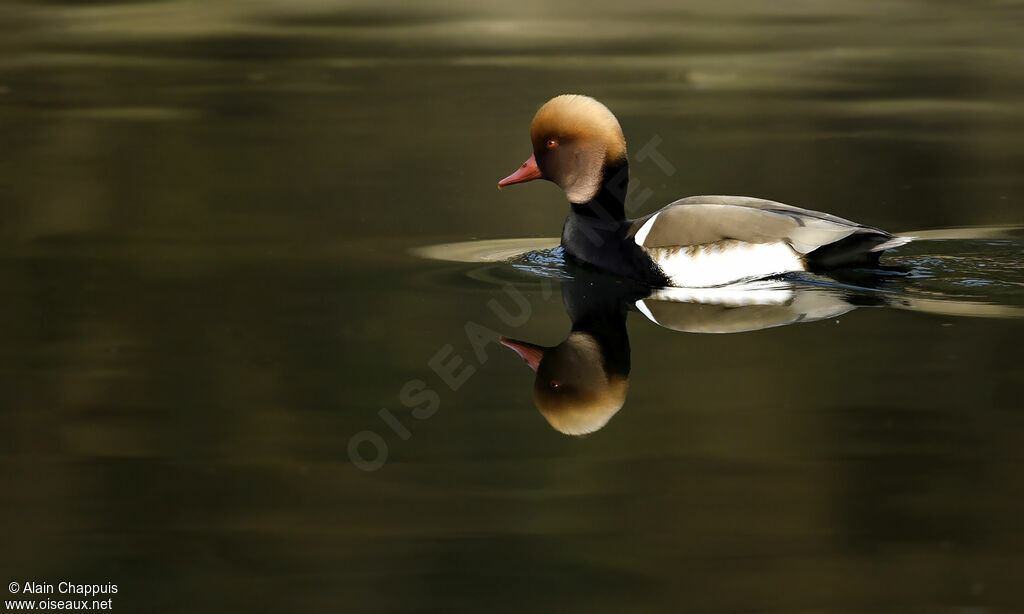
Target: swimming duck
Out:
[699,241]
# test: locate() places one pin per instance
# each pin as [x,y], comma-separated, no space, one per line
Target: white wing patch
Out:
[716,264]
[641,235]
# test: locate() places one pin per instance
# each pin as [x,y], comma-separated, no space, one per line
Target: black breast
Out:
[603,244]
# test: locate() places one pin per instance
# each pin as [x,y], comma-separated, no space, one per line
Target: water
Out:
[214,223]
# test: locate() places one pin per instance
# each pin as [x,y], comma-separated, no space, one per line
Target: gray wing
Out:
[760,203]
[699,220]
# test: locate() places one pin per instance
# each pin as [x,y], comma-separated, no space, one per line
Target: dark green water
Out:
[210,222]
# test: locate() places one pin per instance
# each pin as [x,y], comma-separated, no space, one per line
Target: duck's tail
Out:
[862,248]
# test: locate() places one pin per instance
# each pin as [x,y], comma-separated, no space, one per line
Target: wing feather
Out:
[699,220]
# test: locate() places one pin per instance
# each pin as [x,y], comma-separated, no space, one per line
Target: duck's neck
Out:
[609,204]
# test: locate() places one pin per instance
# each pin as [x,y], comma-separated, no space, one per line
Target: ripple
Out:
[495,250]
[968,232]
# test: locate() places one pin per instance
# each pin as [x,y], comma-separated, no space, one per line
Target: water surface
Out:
[212,218]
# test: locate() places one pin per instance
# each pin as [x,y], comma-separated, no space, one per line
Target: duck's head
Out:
[573,389]
[575,139]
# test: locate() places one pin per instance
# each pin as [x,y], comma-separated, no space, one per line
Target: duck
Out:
[697,241]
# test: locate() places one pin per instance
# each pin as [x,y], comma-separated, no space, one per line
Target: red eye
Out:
[551,143]
[555,385]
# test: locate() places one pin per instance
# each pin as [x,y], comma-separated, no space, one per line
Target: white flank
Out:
[718,264]
[641,235]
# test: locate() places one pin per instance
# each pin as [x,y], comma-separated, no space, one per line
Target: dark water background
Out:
[207,212]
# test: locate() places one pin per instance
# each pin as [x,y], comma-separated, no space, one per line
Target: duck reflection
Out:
[582,382]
